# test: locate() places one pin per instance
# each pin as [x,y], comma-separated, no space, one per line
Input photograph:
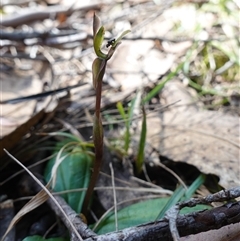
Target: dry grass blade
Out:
[38,199]
[114,196]
[59,160]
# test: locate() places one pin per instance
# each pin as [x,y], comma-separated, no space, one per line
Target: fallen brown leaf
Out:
[208,140]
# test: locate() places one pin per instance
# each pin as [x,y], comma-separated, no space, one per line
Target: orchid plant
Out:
[98,71]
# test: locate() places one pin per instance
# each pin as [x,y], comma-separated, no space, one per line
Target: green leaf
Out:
[127,125]
[139,213]
[194,186]
[131,109]
[72,173]
[114,44]
[181,194]
[98,37]
[117,41]
[98,69]
[146,211]
[121,111]
[175,198]
[39,238]
[97,43]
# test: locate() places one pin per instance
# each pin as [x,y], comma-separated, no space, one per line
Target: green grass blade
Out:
[140,156]
[64,134]
[194,186]
[128,119]
[160,86]
[175,198]
[181,194]
[130,110]
[121,110]
[127,139]
[127,125]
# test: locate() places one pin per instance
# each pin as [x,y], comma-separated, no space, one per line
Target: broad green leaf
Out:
[39,238]
[139,213]
[151,210]
[72,173]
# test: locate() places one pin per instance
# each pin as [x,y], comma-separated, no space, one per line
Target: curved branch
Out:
[193,223]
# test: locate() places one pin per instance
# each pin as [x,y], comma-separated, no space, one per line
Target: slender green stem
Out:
[98,68]
[99,91]
[98,144]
